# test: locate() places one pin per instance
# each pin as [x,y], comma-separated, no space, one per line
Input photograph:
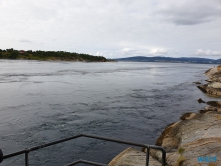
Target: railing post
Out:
[147,155]
[26,157]
[1,156]
[164,157]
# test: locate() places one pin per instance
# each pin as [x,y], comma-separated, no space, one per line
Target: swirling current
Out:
[47,101]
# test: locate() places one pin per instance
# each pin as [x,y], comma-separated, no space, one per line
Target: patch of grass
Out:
[181,150]
[218,117]
[180,160]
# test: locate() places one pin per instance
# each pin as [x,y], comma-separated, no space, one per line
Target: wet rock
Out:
[197,82]
[207,110]
[201,101]
[208,89]
[202,88]
[208,80]
[188,139]
[188,115]
[216,104]
[212,106]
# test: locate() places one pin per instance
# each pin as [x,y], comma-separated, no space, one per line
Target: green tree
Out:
[10,50]
[14,55]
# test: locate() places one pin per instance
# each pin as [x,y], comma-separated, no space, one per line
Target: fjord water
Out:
[46,101]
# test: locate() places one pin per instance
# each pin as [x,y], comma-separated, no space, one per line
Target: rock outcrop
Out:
[214,86]
[201,101]
[214,74]
[211,89]
[195,136]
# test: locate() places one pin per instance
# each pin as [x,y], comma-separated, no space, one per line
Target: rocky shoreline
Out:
[213,88]
[196,138]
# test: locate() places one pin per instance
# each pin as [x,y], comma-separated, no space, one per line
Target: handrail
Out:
[86,162]
[27,150]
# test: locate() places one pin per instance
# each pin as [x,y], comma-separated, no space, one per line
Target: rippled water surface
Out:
[46,101]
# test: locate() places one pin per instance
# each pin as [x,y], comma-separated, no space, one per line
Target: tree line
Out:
[49,55]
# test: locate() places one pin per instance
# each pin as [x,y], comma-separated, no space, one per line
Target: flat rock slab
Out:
[208,89]
[214,87]
[132,157]
[214,74]
[196,136]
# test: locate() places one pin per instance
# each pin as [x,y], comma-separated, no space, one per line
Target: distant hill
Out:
[170,59]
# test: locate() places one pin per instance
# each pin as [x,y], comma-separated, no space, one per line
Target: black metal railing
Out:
[28,150]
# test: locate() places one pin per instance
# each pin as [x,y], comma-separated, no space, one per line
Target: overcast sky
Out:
[113,28]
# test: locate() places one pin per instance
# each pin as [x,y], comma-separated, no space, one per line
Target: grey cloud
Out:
[159,51]
[190,20]
[207,53]
[191,12]
[137,52]
[25,41]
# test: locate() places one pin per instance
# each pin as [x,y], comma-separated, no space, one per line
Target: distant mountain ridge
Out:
[170,59]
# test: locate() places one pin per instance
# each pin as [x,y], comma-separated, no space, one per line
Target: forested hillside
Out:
[49,55]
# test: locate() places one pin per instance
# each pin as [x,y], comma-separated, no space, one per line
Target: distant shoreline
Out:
[49,56]
[170,60]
